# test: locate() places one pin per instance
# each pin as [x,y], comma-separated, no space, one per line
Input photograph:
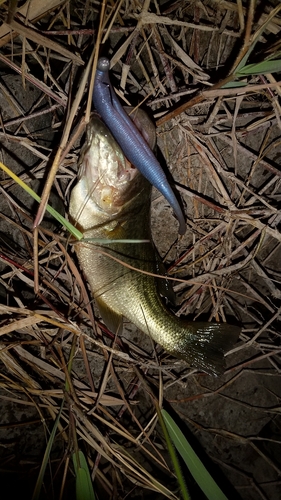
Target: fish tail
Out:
[206,344]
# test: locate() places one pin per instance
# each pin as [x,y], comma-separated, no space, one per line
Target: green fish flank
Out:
[111,200]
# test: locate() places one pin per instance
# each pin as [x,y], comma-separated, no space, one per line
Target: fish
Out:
[132,143]
[111,201]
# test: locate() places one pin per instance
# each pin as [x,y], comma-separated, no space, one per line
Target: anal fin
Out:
[112,319]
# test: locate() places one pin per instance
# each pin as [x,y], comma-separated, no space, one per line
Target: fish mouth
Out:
[109,176]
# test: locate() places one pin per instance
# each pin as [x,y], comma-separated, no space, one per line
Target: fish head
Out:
[108,184]
[107,181]
[104,168]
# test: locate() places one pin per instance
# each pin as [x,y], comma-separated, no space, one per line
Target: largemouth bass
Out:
[112,201]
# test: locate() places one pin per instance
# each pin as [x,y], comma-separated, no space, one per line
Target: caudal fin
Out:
[206,345]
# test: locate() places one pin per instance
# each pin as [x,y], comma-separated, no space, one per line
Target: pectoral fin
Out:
[112,319]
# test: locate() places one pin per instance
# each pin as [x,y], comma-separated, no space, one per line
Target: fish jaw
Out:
[106,180]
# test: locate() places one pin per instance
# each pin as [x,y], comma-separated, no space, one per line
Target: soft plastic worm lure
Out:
[130,139]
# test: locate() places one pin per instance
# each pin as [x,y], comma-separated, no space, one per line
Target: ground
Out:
[223,153]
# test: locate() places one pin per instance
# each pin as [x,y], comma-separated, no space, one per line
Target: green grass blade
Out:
[102,241]
[84,486]
[261,68]
[269,66]
[77,234]
[193,462]
[39,482]
[234,84]
[256,38]
[174,458]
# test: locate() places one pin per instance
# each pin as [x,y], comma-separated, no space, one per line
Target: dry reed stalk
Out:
[227,265]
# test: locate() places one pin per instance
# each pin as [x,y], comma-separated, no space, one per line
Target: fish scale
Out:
[121,292]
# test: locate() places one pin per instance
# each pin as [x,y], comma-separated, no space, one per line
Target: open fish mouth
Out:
[107,173]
